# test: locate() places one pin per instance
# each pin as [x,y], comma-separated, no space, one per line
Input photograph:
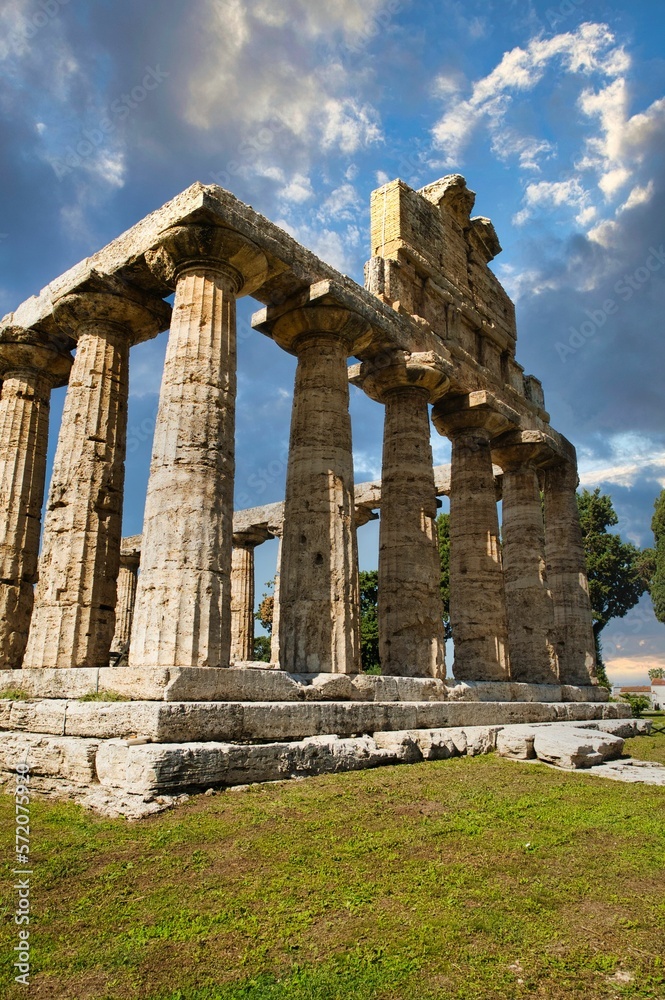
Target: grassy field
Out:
[469,879]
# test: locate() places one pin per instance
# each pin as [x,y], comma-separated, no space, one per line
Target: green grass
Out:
[103,695]
[13,694]
[468,879]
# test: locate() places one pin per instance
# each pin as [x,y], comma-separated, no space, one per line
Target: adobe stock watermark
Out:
[22,872]
[248,152]
[373,26]
[555,15]
[92,139]
[45,13]
[625,288]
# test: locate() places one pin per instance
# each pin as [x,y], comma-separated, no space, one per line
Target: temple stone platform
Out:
[75,750]
[256,683]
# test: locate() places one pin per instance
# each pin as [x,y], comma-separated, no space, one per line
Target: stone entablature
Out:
[434,326]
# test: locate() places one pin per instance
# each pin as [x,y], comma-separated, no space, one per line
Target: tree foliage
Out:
[443,534]
[369,621]
[658,576]
[639,703]
[657,673]
[616,569]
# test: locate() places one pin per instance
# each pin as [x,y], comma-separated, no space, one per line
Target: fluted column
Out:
[319,590]
[28,373]
[183,601]
[411,633]
[567,574]
[276,613]
[124,609]
[531,633]
[477,596]
[242,593]
[74,617]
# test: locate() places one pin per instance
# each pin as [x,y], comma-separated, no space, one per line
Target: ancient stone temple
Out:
[165,620]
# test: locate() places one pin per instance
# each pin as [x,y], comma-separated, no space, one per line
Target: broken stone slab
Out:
[625,728]
[634,771]
[325,687]
[148,769]
[516,742]
[50,756]
[572,748]
[440,744]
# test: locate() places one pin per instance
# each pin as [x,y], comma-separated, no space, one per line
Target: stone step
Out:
[175,722]
[252,682]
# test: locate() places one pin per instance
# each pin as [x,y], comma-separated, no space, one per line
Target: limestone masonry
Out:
[167,617]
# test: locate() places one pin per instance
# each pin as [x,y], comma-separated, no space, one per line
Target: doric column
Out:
[319,593]
[183,601]
[567,574]
[124,609]
[411,633]
[274,634]
[242,593]
[28,373]
[531,634]
[477,597]
[74,617]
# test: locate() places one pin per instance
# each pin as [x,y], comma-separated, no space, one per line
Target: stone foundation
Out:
[135,776]
[256,683]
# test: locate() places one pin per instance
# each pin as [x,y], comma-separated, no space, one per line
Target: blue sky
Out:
[554,112]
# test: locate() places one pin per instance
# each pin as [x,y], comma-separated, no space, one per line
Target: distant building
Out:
[655,692]
[658,694]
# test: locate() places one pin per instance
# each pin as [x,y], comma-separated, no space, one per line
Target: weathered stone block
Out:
[58,757]
[47,716]
[516,742]
[572,748]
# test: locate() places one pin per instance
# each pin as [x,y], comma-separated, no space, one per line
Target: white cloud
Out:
[344,203]
[298,189]
[555,194]
[253,79]
[589,49]
[633,456]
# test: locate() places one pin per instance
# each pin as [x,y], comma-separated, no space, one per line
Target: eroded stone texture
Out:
[183,603]
[411,635]
[124,610]
[533,654]
[74,616]
[477,595]
[319,591]
[242,593]
[28,373]
[567,575]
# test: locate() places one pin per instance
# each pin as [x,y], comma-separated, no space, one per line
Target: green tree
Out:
[617,570]
[658,576]
[639,703]
[657,673]
[369,621]
[443,533]
[262,648]
[262,644]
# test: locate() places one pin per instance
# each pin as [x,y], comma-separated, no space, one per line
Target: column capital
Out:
[516,449]
[111,303]
[19,352]
[294,328]
[250,538]
[400,370]
[564,475]
[211,248]
[479,411]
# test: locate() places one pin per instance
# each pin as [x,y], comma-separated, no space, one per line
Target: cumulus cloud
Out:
[590,49]
[315,100]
